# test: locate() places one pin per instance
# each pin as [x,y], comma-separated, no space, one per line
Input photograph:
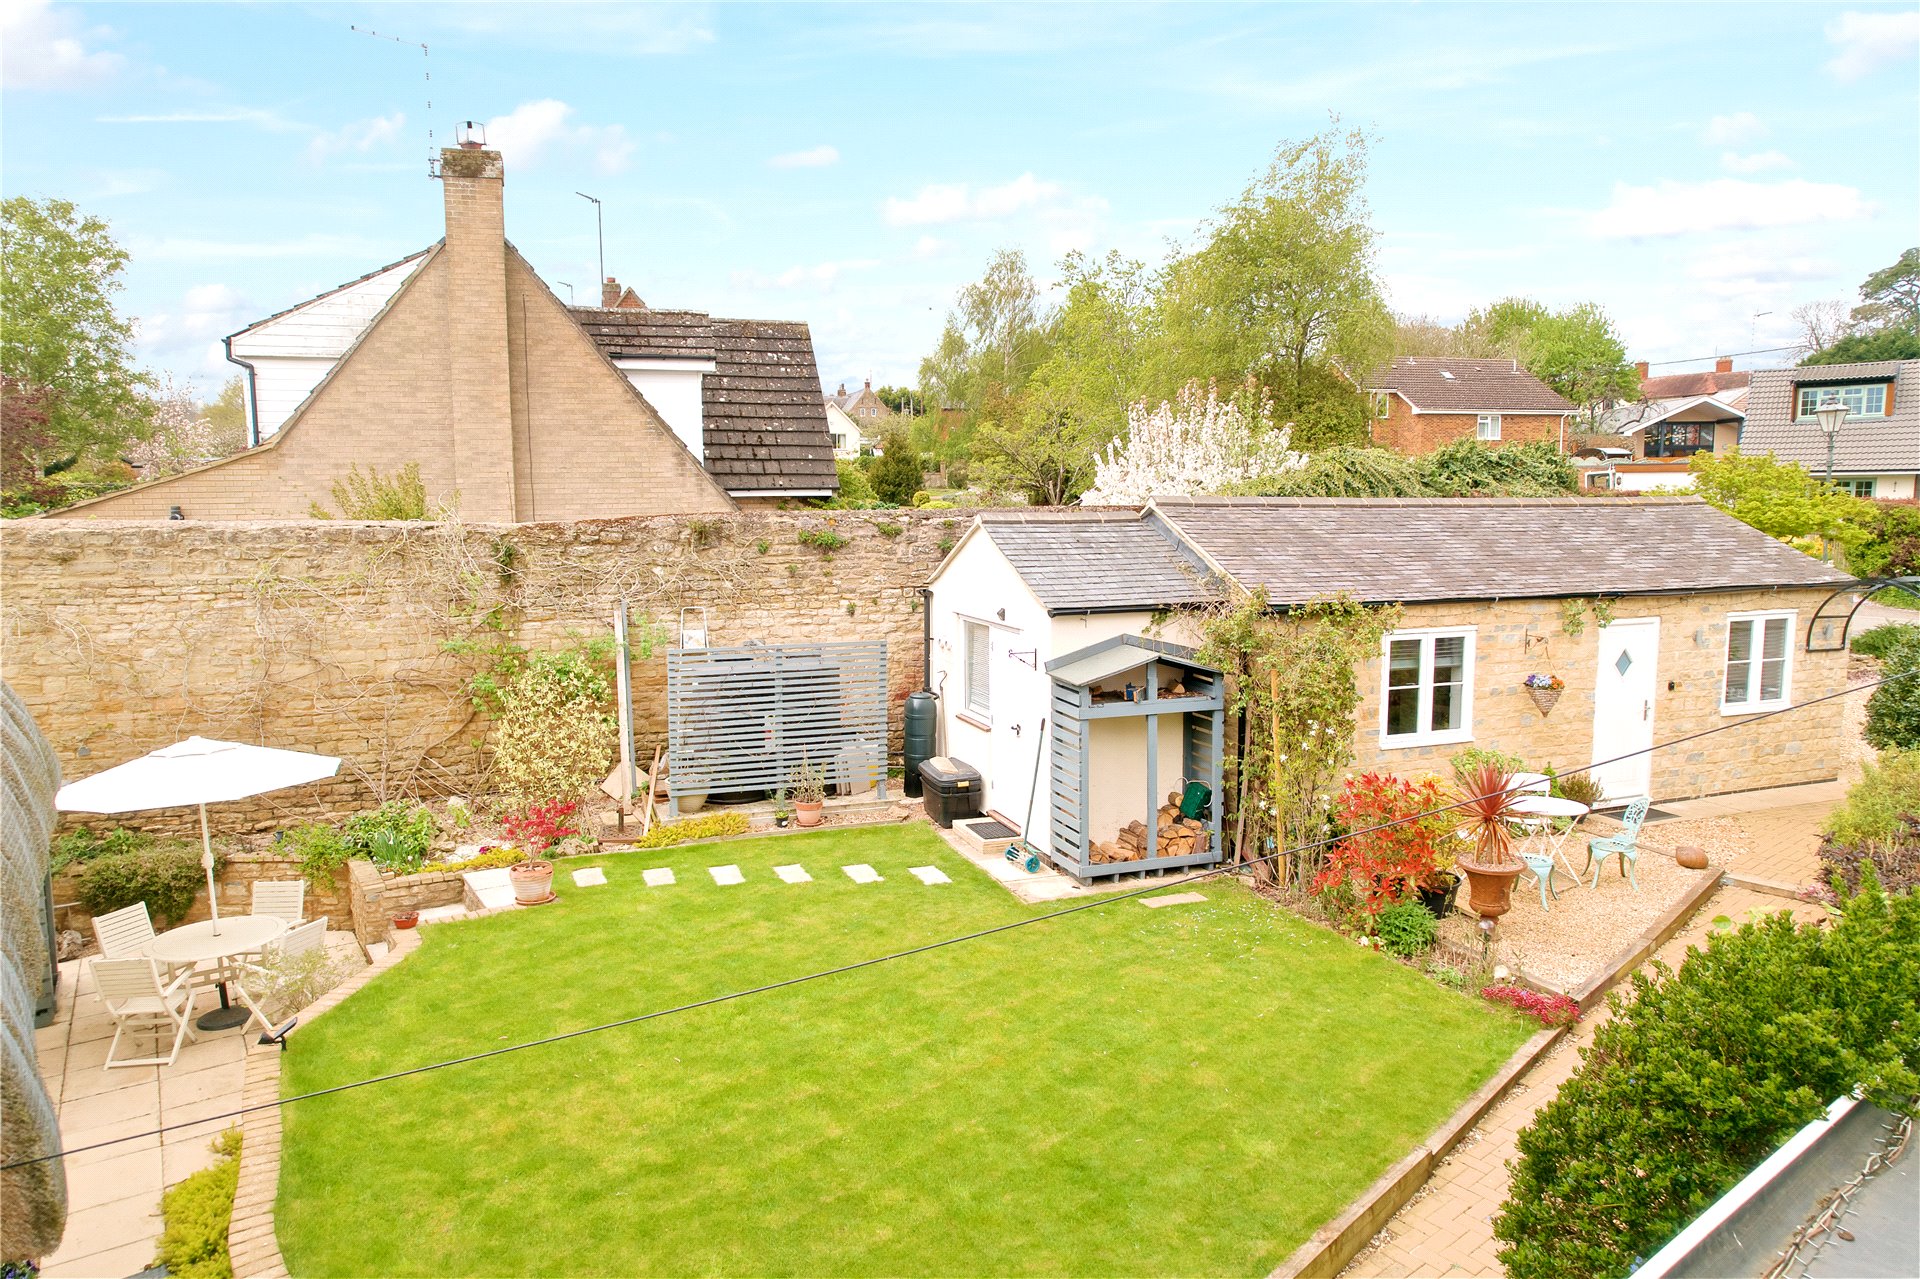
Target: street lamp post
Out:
[600,233]
[1830,416]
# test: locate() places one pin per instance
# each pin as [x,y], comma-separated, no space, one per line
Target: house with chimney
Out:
[863,406]
[1675,416]
[1419,403]
[514,405]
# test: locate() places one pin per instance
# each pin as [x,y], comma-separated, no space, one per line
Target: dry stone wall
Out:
[359,639]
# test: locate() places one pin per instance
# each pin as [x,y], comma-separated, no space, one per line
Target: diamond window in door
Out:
[1623,662]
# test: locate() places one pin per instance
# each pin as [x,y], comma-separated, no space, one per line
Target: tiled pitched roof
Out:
[1432,549]
[1098,561]
[339,288]
[765,423]
[1865,446]
[1436,384]
[1675,386]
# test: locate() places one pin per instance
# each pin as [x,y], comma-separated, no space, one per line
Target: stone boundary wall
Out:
[359,639]
[238,874]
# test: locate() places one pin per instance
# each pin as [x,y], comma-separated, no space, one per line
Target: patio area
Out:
[114,1193]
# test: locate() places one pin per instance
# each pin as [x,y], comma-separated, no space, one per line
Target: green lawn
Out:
[1190,1090]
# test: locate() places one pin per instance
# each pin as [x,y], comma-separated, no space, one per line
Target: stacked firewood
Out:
[1178,836]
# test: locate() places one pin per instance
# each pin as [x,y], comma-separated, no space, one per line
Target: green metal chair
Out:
[1541,865]
[1624,845]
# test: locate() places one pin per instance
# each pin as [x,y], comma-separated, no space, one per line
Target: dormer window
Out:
[1864,399]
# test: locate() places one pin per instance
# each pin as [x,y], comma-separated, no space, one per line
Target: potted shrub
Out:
[1389,852]
[532,880]
[809,794]
[1486,810]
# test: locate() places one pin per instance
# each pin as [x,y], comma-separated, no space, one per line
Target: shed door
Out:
[1020,702]
[1623,694]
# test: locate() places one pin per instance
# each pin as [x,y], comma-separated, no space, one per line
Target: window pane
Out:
[978,668]
[1809,401]
[1874,402]
[1403,711]
[1739,661]
[1403,664]
[1449,681]
[1774,641]
[1773,660]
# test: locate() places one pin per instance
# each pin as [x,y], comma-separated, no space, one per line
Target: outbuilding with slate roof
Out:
[1720,629]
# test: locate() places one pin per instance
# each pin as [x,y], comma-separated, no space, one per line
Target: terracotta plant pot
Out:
[1489,888]
[532,882]
[806,812]
[406,919]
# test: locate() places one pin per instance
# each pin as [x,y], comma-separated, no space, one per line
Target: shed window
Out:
[979,668]
[1868,399]
[1487,427]
[1427,694]
[1759,665]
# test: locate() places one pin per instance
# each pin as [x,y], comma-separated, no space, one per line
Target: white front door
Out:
[1017,709]
[1623,694]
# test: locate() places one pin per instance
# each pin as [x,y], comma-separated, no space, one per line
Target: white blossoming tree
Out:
[1202,444]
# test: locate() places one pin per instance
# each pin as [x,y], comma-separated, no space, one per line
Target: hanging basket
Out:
[1545,699]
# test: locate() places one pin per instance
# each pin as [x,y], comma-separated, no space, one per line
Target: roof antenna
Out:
[433,158]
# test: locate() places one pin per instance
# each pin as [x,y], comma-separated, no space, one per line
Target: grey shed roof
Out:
[1110,657]
[1866,446]
[1432,549]
[1099,562]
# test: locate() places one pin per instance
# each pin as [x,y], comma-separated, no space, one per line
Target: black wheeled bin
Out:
[952,788]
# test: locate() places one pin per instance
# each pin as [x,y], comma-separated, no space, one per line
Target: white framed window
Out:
[1487,427]
[1381,403]
[979,674]
[1856,488]
[1426,687]
[1867,399]
[1759,662]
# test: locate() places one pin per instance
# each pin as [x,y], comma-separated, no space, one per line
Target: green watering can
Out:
[1194,799]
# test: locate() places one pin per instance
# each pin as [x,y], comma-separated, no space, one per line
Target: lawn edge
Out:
[1338,1242]
[252,1241]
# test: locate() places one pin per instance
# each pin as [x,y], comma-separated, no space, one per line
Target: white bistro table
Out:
[199,944]
[1542,815]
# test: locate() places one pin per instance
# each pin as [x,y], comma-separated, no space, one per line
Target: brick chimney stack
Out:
[609,292]
[1640,370]
[478,379]
[1723,365]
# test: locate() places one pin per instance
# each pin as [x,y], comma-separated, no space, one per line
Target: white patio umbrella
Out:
[199,771]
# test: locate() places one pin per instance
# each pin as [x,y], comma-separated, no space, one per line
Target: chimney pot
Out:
[1640,369]
[1723,365]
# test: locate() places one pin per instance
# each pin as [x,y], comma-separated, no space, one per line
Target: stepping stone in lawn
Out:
[726,875]
[862,874]
[589,877]
[658,877]
[1172,899]
[793,874]
[929,874]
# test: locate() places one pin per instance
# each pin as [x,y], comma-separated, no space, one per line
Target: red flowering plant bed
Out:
[542,826]
[1390,849]
[1548,1010]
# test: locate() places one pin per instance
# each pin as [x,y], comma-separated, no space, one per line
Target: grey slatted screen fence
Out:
[747,718]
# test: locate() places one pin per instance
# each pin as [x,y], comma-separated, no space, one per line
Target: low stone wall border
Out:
[1338,1242]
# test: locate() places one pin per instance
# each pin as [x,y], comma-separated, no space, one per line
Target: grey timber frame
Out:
[1201,724]
[747,718]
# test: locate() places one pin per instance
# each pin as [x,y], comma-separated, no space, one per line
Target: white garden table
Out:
[1542,815]
[214,941]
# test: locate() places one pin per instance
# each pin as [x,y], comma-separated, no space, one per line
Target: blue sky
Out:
[1685,166]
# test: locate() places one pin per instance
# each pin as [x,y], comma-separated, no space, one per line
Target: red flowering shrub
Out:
[542,825]
[1549,1010]
[1381,867]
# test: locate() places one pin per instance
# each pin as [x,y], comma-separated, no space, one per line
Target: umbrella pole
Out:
[206,863]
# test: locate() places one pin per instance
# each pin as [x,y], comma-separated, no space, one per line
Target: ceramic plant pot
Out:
[806,812]
[406,919]
[1489,888]
[532,882]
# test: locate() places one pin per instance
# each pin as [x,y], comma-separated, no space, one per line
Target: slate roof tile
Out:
[1098,561]
[1437,384]
[1865,446]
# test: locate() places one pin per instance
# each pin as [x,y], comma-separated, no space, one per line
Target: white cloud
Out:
[1758,269]
[928,246]
[361,135]
[958,202]
[1735,130]
[812,158]
[821,276]
[272,121]
[1865,42]
[527,133]
[346,248]
[41,48]
[1757,162]
[185,338]
[1722,204]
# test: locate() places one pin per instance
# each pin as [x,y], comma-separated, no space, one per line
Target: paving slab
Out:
[1173,899]
[591,877]
[658,877]
[861,873]
[929,874]
[726,875]
[795,874]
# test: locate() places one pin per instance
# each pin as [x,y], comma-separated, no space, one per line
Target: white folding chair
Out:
[281,898]
[138,997]
[125,933]
[307,938]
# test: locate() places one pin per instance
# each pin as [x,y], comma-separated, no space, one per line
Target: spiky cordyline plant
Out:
[1488,806]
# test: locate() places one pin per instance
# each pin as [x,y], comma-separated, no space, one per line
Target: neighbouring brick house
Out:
[1420,403]
[515,406]
[864,407]
[1674,417]
[1706,633]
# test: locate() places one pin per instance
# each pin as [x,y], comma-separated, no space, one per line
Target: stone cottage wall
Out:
[238,874]
[360,639]
[1517,638]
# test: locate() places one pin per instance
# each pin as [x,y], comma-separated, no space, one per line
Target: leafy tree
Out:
[1859,348]
[1778,498]
[1468,468]
[1890,297]
[1501,328]
[901,399]
[1285,283]
[1580,354]
[1204,445]
[896,474]
[61,339]
[855,488]
[994,337]
[185,434]
[1893,709]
